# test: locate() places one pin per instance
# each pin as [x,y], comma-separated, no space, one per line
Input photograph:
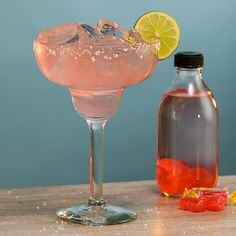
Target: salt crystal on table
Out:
[60,228]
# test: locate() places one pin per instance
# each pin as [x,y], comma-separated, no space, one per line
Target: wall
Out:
[42,139]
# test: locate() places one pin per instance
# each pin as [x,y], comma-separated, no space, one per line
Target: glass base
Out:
[107,215]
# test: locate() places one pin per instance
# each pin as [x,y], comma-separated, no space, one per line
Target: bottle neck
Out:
[189,79]
[189,72]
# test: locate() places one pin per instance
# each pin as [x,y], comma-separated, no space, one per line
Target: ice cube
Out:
[75,39]
[60,34]
[105,26]
[106,29]
[90,32]
[110,32]
[87,34]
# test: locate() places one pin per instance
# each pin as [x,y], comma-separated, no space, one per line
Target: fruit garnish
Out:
[160,27]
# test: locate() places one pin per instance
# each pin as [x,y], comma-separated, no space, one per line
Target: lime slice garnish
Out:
[154,26]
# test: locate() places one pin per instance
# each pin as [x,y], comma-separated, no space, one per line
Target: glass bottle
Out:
[188,130]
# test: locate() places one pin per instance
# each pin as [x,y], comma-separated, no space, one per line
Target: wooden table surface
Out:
[32,212]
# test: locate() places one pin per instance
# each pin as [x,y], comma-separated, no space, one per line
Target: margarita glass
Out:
[96,65]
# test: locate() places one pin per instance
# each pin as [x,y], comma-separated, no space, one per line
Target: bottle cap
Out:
[189,59]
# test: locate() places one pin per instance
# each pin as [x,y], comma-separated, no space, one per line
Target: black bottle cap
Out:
[189,59]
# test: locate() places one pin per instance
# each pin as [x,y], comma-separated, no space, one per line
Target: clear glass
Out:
[96,76]
[188,135]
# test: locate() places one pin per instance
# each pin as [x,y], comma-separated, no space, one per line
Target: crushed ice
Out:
[106,33]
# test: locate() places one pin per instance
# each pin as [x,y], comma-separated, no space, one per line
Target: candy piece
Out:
[196,205]
[172,175]
[180,176]
[212,199]
[183,203]
[164,185]
[215,203]
[215,200]
[178,186]
[191,204]
[161,171]
[201,177]
[232,198]
[207,193]
[190,193]
[180,172]
[169,164]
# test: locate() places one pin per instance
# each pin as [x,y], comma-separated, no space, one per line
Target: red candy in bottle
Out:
[187,139]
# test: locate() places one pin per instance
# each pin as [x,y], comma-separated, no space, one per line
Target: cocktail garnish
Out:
[162,28]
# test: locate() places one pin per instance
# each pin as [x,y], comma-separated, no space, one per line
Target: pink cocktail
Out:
[96,65]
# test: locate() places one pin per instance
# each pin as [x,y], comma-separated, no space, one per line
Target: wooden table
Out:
[32,212]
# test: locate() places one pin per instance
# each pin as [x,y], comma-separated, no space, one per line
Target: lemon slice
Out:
[154,26]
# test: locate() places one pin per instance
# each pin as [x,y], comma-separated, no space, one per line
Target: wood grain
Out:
[31,212]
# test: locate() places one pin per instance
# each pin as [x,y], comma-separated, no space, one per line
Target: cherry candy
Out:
[192,204]
[197,200]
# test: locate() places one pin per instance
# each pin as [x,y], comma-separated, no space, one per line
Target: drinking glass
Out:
[96,75]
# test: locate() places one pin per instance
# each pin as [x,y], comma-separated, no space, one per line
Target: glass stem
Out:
[96,129]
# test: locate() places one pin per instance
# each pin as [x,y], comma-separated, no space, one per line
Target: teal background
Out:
[42,139]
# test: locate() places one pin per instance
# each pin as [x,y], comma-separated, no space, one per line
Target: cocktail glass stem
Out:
[96,128]
[96,212]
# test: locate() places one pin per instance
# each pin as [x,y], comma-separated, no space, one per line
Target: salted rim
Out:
[114,45]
